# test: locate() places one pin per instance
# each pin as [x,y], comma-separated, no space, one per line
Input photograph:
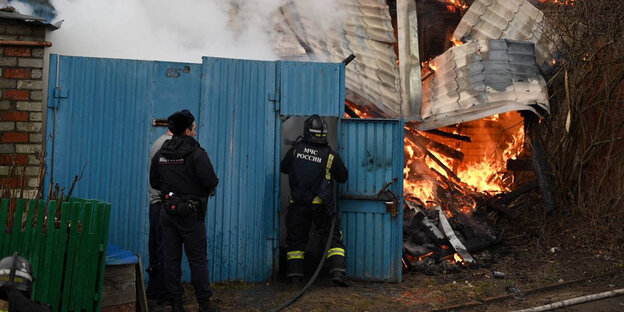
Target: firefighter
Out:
[183,173]
[312,167]
[16,280]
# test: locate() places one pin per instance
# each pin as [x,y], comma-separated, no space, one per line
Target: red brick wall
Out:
[21,104]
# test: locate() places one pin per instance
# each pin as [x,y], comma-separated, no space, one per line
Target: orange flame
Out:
[484,175]
[454,5]
[560,2]
[456,42]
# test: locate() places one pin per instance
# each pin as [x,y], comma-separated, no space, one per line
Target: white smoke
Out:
[183,30]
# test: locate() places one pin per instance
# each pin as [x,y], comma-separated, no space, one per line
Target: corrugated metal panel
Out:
[373,240]
[482,78]
[98,126]
[370,148]
[372,151]
[312,88]
[103,119]
[238,131]
[514,20]
[366,32]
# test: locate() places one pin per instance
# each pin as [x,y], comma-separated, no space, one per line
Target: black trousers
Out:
[299,219]
[155,286]
[190,232]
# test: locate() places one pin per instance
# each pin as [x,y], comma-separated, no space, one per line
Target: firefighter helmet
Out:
[315,130]
[16,273]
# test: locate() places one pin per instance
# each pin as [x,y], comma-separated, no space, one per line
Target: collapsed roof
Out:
[366,31]
[479,79]
[510,19]
[485,76]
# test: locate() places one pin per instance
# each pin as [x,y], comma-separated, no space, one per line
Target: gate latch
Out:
[390,199]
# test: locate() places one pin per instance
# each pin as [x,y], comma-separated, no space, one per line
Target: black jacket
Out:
[181,166]
[306,166]
[18,302]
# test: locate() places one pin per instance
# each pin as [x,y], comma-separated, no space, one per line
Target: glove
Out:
[326,193]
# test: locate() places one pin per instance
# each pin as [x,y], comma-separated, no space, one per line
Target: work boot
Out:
[295,270]
[338,279]
[206,306]
[177,306]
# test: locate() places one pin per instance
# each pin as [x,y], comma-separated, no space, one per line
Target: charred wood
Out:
[519,164]
[350,112]
[450,135]
[434,158]
[436,146]
[503,209]
[545,179]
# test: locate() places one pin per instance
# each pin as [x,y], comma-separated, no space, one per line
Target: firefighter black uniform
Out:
[183,173]
[312,166]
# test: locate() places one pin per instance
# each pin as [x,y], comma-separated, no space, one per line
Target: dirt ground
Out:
[534,276]
[542,263]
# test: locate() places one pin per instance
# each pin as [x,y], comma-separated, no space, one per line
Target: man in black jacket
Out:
[183,173]
[312,166]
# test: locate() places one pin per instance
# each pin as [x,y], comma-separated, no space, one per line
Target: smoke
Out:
[183,30]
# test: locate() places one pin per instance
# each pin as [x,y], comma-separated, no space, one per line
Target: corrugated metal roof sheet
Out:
[367,32]
[482,78]
[509,19]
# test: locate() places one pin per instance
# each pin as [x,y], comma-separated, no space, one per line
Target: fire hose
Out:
[327,244]
[316,273]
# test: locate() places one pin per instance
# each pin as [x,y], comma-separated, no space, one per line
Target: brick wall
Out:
[486,136]
[21,104]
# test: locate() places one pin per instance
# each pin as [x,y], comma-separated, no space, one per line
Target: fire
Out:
[425,177]
[456,42]
[560,2]
[454,5]
[362,113]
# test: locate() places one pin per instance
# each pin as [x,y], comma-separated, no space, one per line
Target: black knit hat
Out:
[180,121]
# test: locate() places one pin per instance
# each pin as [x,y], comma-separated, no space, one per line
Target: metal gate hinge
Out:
[275,98]
[60,92]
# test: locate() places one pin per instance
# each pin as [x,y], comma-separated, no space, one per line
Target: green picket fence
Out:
[67,255]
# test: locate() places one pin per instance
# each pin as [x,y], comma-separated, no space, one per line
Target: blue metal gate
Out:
[372,150]
[102,112]
[100,117]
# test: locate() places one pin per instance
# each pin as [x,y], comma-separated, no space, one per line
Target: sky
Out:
[181,30]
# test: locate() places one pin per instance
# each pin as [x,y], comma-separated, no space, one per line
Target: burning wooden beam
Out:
[453,136]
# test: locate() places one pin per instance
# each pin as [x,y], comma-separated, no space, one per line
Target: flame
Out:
[456,42]
[454,5]
[458,258]
[560,2]
[483,175]
[362,113]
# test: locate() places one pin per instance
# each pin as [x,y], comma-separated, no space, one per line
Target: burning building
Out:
[467,76]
